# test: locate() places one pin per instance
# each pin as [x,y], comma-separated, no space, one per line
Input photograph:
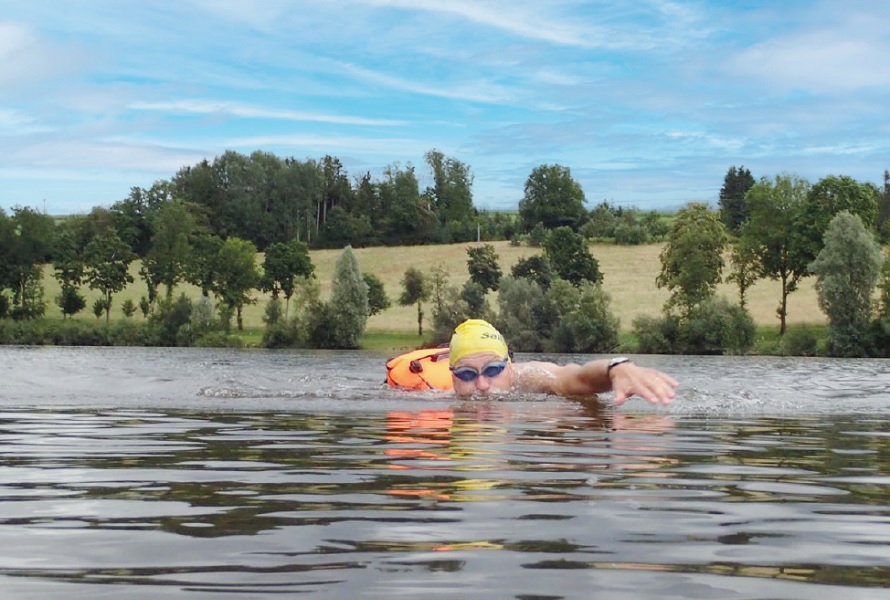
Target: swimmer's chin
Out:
[477,395]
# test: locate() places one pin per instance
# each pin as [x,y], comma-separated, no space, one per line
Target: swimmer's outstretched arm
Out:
[626,379]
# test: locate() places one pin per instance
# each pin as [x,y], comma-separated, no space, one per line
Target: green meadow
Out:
[629,274]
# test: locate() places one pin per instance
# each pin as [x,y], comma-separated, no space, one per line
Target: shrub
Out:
[800,341]
[520,303]
[588,326]
[718,327]
[656,335]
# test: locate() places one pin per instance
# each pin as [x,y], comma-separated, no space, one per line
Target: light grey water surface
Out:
[186,473]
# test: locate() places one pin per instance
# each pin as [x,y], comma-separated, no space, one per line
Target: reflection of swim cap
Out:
[474,336]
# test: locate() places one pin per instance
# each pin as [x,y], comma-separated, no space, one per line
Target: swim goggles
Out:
[492,369]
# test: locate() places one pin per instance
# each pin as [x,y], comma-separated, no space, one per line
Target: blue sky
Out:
[647,102]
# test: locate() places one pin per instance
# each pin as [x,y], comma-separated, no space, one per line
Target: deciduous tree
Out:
[774,212]
[237,276]
[483,266]
[552,198]
[107,259]
[692,259]
[570,257]
[415,291]
[283,264]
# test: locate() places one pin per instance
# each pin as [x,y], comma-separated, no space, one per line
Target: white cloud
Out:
[836,58]
[16,122]
[256,112]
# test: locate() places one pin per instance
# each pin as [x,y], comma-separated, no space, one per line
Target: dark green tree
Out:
[552,198]
[483,266]
[570,258]
[132,216]
[26,242]
[828,197]
[451,193]
[692,259]
[282,266]
[411,219]
[107,260]
[847,270]
[172,227]
[415,290]
[201,270]
[736,184]
[70,301]
[534,268]
[378,301]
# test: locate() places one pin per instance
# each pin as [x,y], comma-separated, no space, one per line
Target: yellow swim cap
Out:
[474,336]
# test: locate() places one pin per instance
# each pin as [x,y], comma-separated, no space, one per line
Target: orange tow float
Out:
[424,369]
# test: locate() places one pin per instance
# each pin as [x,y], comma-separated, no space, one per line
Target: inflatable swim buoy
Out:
[424,369]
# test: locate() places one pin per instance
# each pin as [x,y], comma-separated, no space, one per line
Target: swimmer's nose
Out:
[482,383]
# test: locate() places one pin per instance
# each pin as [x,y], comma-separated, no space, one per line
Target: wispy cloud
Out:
[255,112]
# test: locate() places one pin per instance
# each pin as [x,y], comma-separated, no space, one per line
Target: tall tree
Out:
[202,268]
[774,211]
[552,198]
[172,226]
[107,260]
[412,220]
[847,270]
[237,276]
[692,259]
[415,291]
[733,210]
[451,193]
[349,301]
[26,242]
[336,190]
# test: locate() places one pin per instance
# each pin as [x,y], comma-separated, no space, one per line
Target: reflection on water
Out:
[379,494]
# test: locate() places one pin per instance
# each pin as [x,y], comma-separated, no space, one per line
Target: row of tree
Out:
[774,227]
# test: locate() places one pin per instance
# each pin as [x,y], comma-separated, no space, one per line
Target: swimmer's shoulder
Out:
[535,376]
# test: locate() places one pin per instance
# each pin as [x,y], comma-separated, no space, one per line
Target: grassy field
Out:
[629,274]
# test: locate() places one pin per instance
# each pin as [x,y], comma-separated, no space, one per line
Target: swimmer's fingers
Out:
[649,384]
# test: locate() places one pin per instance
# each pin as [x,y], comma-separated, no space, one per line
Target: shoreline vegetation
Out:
[629,274]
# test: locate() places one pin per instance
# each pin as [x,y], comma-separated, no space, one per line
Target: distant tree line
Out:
[207,224]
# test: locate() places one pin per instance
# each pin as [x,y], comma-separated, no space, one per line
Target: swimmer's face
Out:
[482,384]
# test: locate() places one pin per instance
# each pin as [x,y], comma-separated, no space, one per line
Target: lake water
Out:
[185,473]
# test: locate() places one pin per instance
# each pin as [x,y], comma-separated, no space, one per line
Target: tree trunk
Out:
[783,307]
[419,319]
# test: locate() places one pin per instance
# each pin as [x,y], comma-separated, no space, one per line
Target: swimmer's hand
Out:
[629,379]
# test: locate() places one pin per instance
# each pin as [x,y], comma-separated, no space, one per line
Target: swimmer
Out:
[481,364]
